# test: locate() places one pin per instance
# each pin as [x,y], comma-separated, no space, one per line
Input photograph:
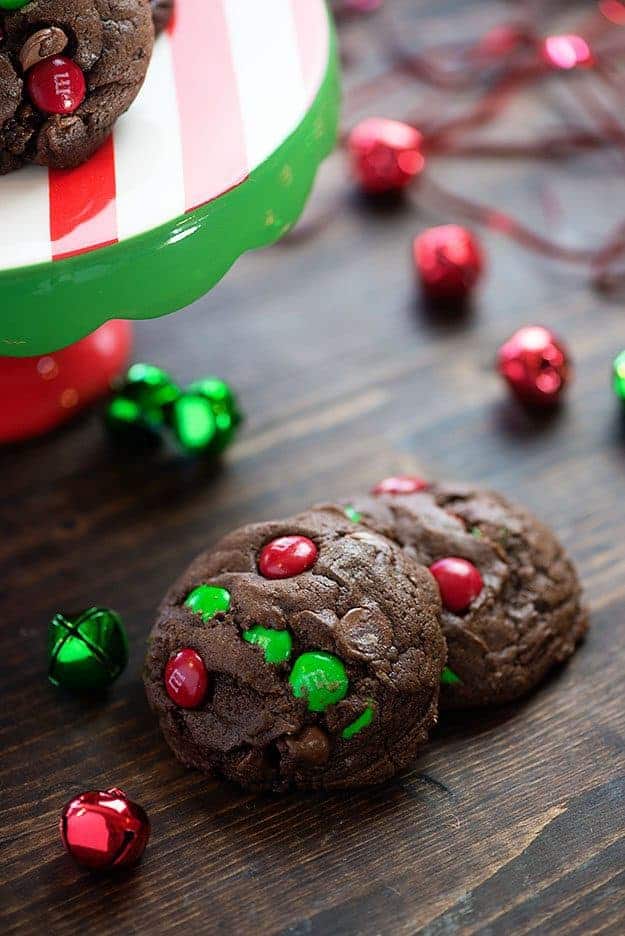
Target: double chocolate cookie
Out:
[305,653]
[68,70]
[512,605]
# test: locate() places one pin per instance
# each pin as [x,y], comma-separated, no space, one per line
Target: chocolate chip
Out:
[364,634]
[42,45]
[311,746]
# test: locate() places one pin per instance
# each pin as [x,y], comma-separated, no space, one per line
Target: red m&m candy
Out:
[402,484]
[56,85]
[459,581]
[186,679]
[287,556]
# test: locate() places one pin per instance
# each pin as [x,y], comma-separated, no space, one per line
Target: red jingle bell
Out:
[567,52]
[56,85]
[386,155]
[448,260]
[103,829]
[536,365]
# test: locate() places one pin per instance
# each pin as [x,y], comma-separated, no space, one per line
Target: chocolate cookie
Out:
[68,70]
[512,604]
[303,653]
[162,12]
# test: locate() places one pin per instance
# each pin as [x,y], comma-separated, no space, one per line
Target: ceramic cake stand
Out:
[217,156]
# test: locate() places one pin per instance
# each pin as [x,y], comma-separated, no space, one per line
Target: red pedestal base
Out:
[40,393]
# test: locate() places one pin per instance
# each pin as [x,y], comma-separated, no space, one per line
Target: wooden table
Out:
[513,821]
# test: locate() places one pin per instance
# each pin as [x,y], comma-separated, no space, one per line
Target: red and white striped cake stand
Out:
[217,156]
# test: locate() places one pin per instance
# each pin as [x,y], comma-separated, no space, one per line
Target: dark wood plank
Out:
[513,820]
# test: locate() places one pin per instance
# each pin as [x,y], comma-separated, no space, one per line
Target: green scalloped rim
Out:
[50,305]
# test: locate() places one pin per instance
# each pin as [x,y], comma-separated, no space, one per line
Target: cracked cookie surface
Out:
[528,616]
[108,41]
[363,604]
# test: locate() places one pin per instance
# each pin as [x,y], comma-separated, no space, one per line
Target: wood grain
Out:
[514,820]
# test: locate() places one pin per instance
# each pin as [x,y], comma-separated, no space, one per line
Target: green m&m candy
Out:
[13,4]
[352,514]
[363,721]
[277,644]
[449,678]
[208,600]
[320,678]
[86,652]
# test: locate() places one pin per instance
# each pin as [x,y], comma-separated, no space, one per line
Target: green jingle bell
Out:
[618,376]
[86,652]
[205,417]
[228,416]
[138,411]
[148,406]
[129,426]
[152,388]
[193,423]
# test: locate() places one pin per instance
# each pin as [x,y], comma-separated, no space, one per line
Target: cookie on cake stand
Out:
[68,70]
[217,156]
